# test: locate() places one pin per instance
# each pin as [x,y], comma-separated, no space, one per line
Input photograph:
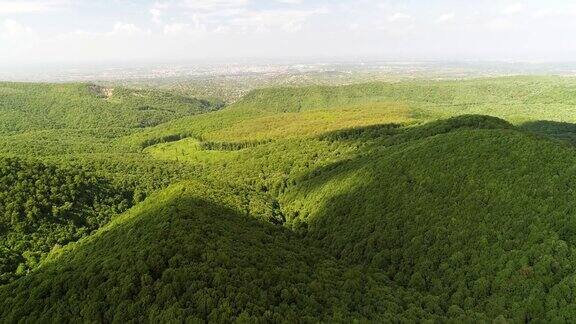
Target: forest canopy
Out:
[379,202]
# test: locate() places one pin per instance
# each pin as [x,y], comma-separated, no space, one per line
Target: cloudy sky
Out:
[36,31]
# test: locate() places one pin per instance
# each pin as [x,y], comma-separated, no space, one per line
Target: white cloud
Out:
[223,16]
[16,40]
[195,28]
[514,8]
[175,28]
[157,11]
[292,2]
[399,17]
[156,15]
[118,30]
[212,5]
[555,12]
[266,20]
[14,31]
[121,28]
[222,29]
[19,7]
[445,17]
[500,24]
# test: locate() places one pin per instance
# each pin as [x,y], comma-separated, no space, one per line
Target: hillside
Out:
[275,113]
[26,106]
[432,208]
[381,202]
[514,98]
[43,207]
[482,218]
[193,253]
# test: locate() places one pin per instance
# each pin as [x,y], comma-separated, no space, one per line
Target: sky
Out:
[76,31]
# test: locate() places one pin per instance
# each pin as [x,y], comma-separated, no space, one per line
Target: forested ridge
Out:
[79,106]
[446,201]
[44,207]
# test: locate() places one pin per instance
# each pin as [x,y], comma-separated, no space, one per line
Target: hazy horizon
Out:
[77,31]
[350,69]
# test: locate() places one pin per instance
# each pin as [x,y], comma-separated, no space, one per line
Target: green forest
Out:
[411,201]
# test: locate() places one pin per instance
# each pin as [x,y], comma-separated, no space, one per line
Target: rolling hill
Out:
[43,207]
[26,106]
[193,253]
[381,202]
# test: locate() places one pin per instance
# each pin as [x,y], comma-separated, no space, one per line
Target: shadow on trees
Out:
[470,217]
[417,131]
[379,136]
[189,258]
[553,129]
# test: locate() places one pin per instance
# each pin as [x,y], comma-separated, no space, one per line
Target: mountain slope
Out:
[516,99]
[192,252]
[351,207]
[275,113]
[468,219]
[42,207]
[28,106]
[483,218]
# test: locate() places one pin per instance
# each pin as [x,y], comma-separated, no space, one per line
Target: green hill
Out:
[295,112]
[482,218]
[26,106]
[193,253]
[423,222]
[382,202]
[514,98]
[42,207]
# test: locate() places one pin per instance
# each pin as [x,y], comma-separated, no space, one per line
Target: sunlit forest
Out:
[405,201]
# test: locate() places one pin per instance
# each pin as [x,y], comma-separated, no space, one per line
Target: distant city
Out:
[296,71]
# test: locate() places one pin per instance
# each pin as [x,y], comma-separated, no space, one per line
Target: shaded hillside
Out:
[320,204]
[558,130]
[192,253]
[43,207]
[482,218]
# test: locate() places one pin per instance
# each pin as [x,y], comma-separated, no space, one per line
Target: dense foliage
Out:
[449,216]
[43,207]
[56,106]
[376,202]
[193,253]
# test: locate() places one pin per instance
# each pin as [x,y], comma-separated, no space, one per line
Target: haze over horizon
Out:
[77,31]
